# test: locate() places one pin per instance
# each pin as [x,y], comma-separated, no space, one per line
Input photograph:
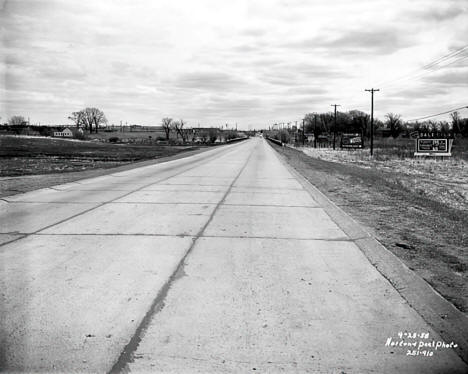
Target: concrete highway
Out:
[218,262]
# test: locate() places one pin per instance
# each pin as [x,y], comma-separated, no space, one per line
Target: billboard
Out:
[351,141]
[433,144]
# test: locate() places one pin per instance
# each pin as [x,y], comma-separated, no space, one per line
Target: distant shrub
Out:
[80,135]
[282,136]
[113,139]
[230,135]
[212,135]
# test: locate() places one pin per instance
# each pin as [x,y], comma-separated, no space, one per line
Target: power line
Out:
[446,57]
[438,114]
[420,74]
[430,67]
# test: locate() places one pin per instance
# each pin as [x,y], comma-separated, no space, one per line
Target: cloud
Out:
[306,90]
[449,78]
[439,13]
[121,67]
[383,41]
[249,48]
[211,61]
[420,94]
[314,70]
[254,32]
[205,80]
[62,72]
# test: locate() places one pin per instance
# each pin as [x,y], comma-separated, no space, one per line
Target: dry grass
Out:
[442,180]
[40,155]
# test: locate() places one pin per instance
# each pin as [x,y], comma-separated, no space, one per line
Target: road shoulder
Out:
[440,314]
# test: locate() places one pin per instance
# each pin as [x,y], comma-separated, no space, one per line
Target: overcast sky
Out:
[254,62]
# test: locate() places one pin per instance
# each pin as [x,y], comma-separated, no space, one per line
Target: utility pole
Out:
[372,90]
[315,130]
[303,131]
[334,127]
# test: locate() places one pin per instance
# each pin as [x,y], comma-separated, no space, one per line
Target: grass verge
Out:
[34,155]
[28,164]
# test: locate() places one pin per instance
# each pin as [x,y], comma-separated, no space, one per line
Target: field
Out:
[39,155]
[415,208]
[389,148]
[442,180]
[129,136]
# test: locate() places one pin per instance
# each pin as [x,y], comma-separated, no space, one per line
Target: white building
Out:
[66,133]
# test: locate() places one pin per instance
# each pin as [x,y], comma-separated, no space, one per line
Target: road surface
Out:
[219,262]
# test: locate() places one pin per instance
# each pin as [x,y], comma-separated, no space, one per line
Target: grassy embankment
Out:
[34,155]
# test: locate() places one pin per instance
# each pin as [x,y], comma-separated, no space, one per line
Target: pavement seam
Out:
[441,315]
[127,355]
[195,162]
[165,203]
[338,239]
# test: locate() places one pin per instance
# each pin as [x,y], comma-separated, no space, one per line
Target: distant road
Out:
[218,262]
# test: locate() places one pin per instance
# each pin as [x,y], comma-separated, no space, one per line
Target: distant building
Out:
[67,133]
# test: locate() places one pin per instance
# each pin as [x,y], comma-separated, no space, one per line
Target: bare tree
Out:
[179,128]
[455,122]
[16,121]
[167,126]
[174,127]
[394,122]
[359,120]
[88,118]
[78,119]
[97,117]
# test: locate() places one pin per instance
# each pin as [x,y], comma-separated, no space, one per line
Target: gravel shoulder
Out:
[427,234]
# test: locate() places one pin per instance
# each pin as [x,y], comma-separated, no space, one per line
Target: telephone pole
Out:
[334,127]
[372,90]
[303,131]
[315,130]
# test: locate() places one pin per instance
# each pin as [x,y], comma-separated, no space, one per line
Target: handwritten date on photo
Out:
[418,343]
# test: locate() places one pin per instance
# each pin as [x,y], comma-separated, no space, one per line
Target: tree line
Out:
[393,124]
[90,119]
[208,135]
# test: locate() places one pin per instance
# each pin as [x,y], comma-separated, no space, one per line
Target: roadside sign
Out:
[429,145]
[351,141]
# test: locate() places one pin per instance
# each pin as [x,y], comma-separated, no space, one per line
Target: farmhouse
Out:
[67,133]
